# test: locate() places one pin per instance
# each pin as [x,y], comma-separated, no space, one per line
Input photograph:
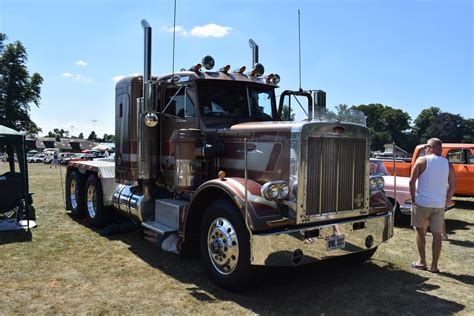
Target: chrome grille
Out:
[336,174]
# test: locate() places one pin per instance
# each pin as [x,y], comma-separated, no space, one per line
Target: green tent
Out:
[13,142]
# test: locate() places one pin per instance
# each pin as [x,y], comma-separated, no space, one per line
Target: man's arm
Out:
[415,173]
[451,183]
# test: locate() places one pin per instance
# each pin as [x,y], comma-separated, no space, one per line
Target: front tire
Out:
[75,193]
[97,214]
[225,246]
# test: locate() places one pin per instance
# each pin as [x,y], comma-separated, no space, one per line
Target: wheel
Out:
[75,193]
[225,246]
[97,214]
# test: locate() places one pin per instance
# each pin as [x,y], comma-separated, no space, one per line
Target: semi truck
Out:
[208,156]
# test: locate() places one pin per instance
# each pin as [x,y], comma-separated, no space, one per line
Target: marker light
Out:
[225,69]
[276,79]
[195,68]
[241,70]
[208,62]
[257,70]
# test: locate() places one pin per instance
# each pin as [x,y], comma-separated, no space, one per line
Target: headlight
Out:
[376,183]
[275,190]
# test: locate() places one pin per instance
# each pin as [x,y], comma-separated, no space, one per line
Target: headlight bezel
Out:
[275,190]
[376,183]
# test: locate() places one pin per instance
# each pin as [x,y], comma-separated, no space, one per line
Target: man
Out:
[436,183]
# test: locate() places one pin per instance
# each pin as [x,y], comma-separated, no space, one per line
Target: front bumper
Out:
[295,247]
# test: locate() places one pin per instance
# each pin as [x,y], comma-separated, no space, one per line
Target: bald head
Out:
[434,146]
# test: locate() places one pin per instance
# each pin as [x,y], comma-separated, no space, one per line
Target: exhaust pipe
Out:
[254,48]
[145,107]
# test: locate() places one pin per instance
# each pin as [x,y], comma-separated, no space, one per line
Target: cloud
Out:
[120,77]
[76,77]
[81,62]
[209,30]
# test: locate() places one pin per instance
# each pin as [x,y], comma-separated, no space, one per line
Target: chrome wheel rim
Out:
[223,246]
[91,201]
[72,189]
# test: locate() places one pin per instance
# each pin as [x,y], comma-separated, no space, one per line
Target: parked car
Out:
[402,185]
[37,158]
[461,156]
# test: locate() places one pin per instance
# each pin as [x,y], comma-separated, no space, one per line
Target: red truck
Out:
[461,156]
[207,156]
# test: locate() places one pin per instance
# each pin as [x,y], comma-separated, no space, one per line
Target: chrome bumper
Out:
[295,247]
[406,208]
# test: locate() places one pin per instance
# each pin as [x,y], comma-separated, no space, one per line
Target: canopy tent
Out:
[13,142]
[101,147]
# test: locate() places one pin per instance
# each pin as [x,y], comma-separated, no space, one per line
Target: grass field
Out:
[65,267]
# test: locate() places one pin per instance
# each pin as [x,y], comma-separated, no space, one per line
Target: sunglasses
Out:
[428,146]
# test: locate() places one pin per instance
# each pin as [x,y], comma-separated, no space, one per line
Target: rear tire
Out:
[225,246]
[75,193]
[97,214]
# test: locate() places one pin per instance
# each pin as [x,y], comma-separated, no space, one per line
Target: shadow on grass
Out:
[465,205]
[326,287]
[329,287]
[466,279]
[15,236]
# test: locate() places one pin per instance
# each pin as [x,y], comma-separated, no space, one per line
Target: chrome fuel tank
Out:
[130,202]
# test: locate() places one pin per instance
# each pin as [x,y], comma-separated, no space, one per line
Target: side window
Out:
[456,156]
[179,104]
[261,105]
[470,156]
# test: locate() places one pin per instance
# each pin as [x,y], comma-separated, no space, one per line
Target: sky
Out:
[407,54]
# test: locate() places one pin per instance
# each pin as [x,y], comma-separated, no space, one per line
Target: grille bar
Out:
[336,172]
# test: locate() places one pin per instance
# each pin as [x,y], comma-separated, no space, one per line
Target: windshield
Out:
[236,100]
[378,168]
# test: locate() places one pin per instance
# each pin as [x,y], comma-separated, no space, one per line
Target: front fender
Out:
[260,210]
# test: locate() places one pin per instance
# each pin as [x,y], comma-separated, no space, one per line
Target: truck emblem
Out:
[359,200]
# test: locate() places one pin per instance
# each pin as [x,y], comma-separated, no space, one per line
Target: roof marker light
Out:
[276,79]
[241,70]
[257,70]
[225,69]
[195,68]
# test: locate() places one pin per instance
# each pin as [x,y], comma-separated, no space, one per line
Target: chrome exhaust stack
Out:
[146,117]
[254,48]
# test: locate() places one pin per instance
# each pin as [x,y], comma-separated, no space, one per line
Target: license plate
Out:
[335,242]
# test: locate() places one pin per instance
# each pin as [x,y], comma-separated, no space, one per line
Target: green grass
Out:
[64,266]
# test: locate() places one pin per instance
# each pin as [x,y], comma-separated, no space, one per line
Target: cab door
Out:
[462,160]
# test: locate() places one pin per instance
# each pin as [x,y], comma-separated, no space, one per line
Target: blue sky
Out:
[406,54]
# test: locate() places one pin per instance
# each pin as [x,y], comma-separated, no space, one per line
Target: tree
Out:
[92,136]
[468,131]
[424,120]
[58,133]
[81,136]
[287,114]
[447,127]
[386,125]
[17,88]
[108,138]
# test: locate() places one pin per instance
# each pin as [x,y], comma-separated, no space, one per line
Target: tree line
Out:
[388,125]
[59,133]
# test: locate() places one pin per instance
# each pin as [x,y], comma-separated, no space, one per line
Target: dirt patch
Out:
[64,266]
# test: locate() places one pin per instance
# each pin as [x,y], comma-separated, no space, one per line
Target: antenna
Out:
[299,45]
[174,38]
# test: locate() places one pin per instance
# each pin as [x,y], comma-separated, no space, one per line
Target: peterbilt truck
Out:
[208,156]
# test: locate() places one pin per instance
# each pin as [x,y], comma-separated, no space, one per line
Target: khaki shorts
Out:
[422,217]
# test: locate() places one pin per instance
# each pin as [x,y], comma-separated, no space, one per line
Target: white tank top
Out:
[433,183]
